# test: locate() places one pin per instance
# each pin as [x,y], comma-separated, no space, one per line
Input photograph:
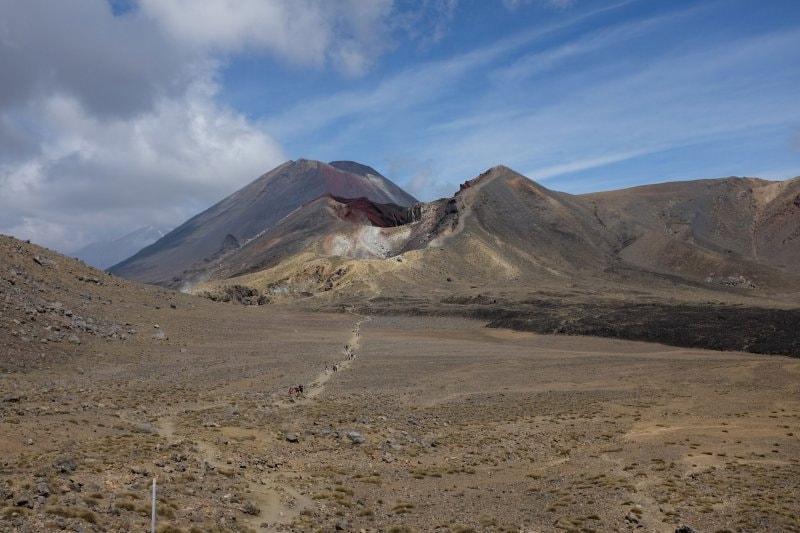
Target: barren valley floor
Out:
[426,424]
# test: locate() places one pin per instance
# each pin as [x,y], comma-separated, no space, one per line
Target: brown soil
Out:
[428,423]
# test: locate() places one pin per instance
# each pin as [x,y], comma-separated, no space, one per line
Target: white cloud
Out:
[539,62]
[409,88]
[546,173]
[406,89]
[347,34]
[109,122]
[703,91]
[112,65]
[157,167]
[647,110]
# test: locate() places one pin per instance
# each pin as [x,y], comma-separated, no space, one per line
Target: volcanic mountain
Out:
[502,232]
[707,263]
[711,230]
[251,211]
[344,231]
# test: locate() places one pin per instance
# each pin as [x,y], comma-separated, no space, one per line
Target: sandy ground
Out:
[425,424]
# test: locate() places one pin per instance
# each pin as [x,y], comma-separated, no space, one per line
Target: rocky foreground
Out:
[402,423]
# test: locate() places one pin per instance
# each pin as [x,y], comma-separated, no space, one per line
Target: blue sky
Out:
[584,96]
[125,113]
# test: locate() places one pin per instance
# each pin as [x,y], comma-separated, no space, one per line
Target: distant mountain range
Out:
[103,254]
[341,229]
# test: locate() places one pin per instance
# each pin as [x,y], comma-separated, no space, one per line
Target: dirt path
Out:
[649,515]
[317,385]
[277,503]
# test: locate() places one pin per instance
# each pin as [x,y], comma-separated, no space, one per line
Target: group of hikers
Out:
[298,390]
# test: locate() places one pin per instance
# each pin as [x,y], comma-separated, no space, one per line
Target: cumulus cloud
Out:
[158,166]
[106,123]
[111,65]
[349,34]
[111,120]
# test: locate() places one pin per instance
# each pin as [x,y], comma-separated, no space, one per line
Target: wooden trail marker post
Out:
[153,510]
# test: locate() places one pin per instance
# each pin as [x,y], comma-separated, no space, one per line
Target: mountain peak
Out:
[498,171]
[502,169]
[303,163]
[355,167]
[506,174]
[254,209]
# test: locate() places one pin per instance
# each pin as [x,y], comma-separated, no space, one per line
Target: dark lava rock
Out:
[42,489]
[251,509]
[709,326]
[632,518]
[24,501]
[65,465]
[41,261]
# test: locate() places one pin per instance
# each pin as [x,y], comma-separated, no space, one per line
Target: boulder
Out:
[356,437]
